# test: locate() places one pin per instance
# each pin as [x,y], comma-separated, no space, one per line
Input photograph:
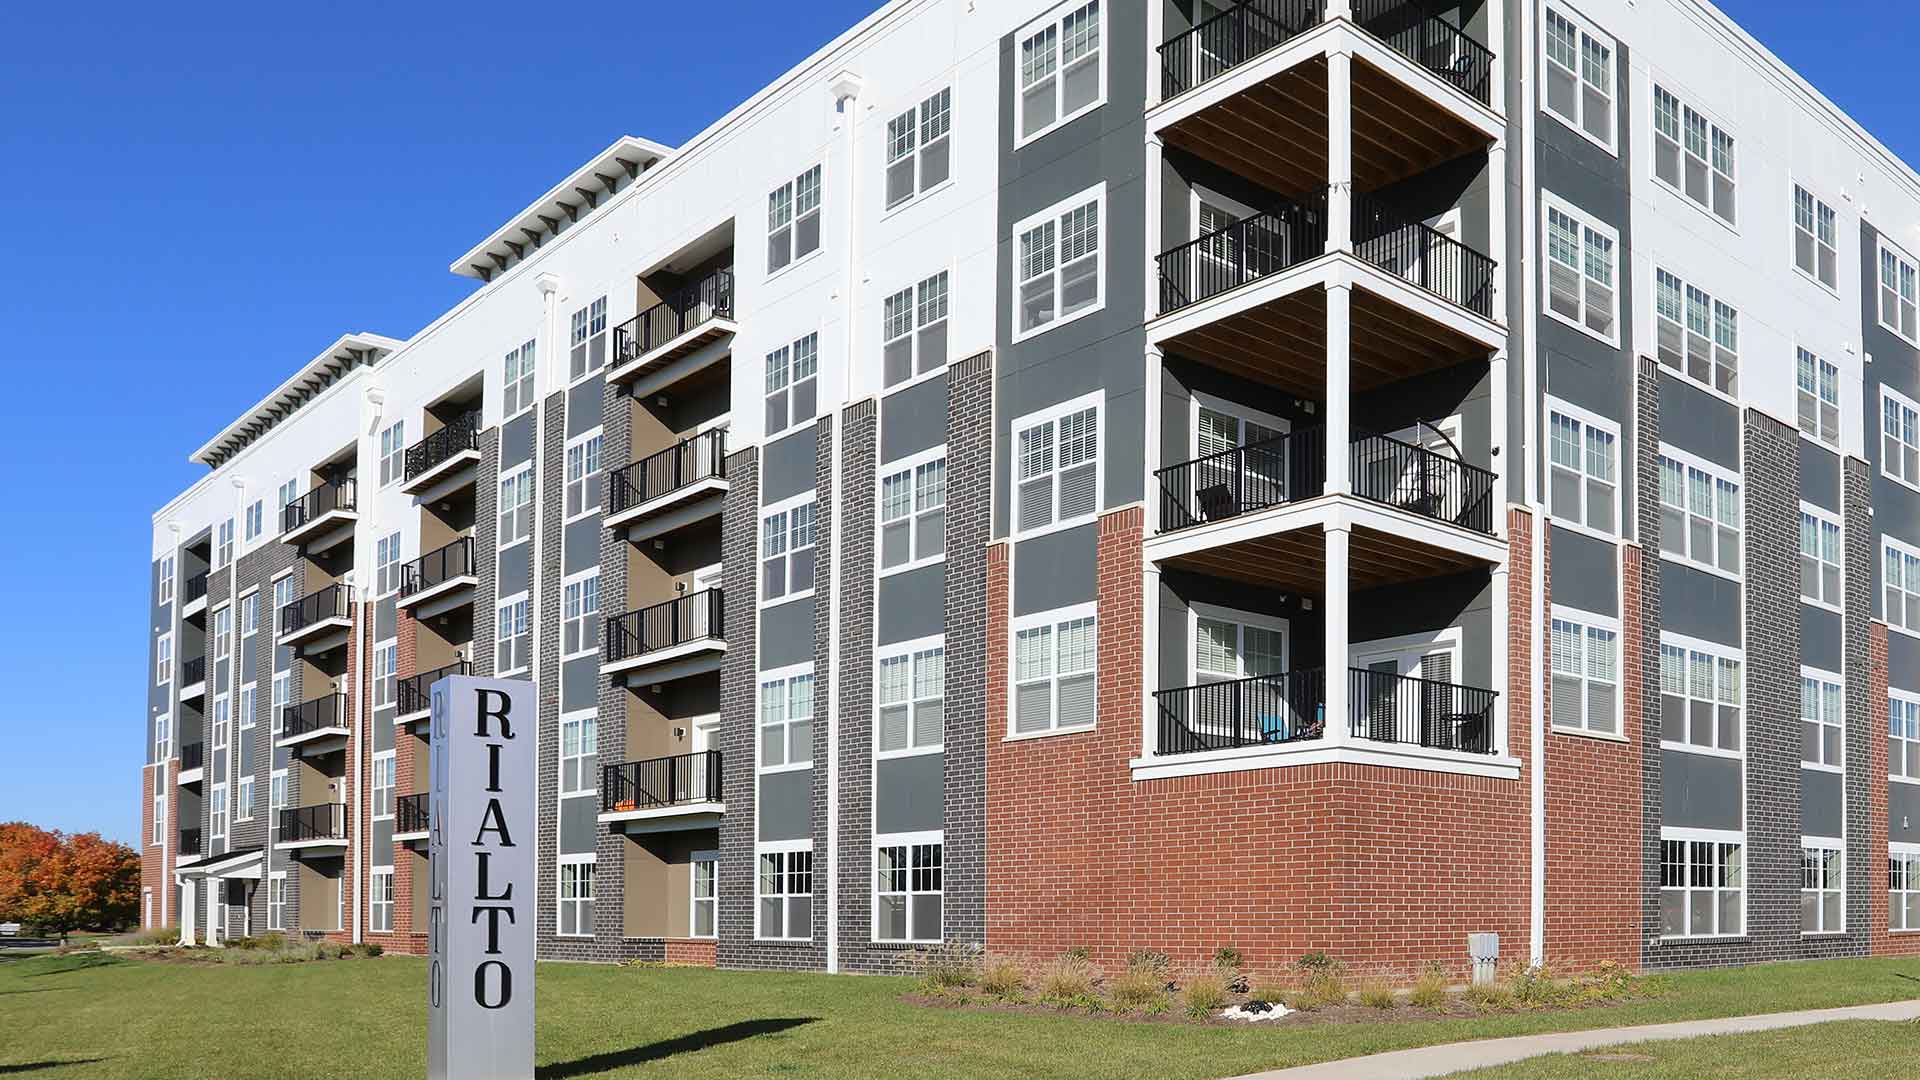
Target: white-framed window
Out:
[913,329]
[516,388]
[704,903]
[249,700]
[786,550]
[250,614]
[1823,885]
[1582,270]
[576,895]
[1586,671]
[1059,263]
[910,689]
[386,674]
[1583,455]
[1057,466]
[587,340]
[289,491]
[580,614]
[222,633]
[1062,69]
[793,220]
[159,804]
[1702,688]
[166,580]
[1693,155]
[906,887]
[1903,886]
[584,479]
[1900,579]
[243,800]
[1820,573]
[579,748]
[393,453]
[516,505]
[1899,437]
[386,564]
[217,813]
[1053,670]
[793,390]
[920,148]
[1579,77]
[1903,737]
[1823,725]
[223,544]
[1702,883]
[222,726]
[512,637]
[1696,334]
[786,718]
[1816,238]
[913,511]
[785,889]
[1699,513]
[1897,292]
[162,737]
[380,900]
[277,900]
[283,595]
[256,520]
[276,797]
[1230,644]
[282,697]
[1818,385]
[163,660]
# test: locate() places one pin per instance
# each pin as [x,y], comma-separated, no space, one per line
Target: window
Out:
[1903,887]
[380,918]
[587,340]
[1581,270]
[386,564]
[1060,70]
[786,719]
[1053,671]
[1897,290]
[516,506]
[913,330]
[1819,385]
[162,738]
[1229,645]
[1058,466]
[910,692]
[386,674]
[1823,884]
[223,544]
[1822,725]
[786,894]
[276,796]
[511,637]
[705,921]
[1899,437]
[249,699]
[163,660]
[1700,695]
[576,895]
[913,514]
[1692,155]
[159,804]
[1900,574]
[1586,672]
[393,453]
[1702,883]
[250,614]
[277,900]
[919,149]
[217,813]
[256,517]
[1584,483]
[243,800]
[793,220]
[282,594]
[516,391]
[166,580]
[222,724]
[580,615]
[906,890]
[1699,514]
[1903,738]
[223,633]
[579,743]
[289,491]
[584,479]
[792,383]
[786,552]
[1580,78]
[1058,264]
[282,697]
[1820,558]
[1816,235]
[1695,334]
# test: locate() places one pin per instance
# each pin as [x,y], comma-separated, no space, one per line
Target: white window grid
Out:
[585,481]
[1053,656]
[386,674]
[786,719]
[1057,481]
[1903,887]
[1700,515]
[512,636]
[907,888]
[517,391]
[919,149]
[393,453]
[1693,155]
[162,738]
[575,895]
[159,804]
[910,697]
[1900,582]
[1899,437]
[1816,238]
[1823,885]
[386,564]
[516,506]
[1903,737]
[1231,644]
[282,596]
[217,812]
[913,329]
[1822,579]
[222,725]
[1695,333]
[277,900]
[793,220]
[1061,69]
[249,700]
[913,512]
[250,614]
[1823,723]
[166,580]
[1059,267]
[784,888]
[1579,77]
[1897,292]
[580,614]
[787,550]
[1817,383]
[793,383]
[289,491]
[1583,469]
[380,900]
[1581,270]
[163,660]
[704,900]
[223,544]
[276,796]
[586,330]
[222,633]
[1586,672]
[1702,883]
[1702,694]
[256,520]
[579,748]
[282,697]
[243,800]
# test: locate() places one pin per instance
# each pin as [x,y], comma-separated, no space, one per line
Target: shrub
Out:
[1204,994]
[328,950]
[950,967]
[1141,989]
[1069,981]
[1078,952]
[1323,983]
[1228,958]
[1377,996]
[1430,992]
[1533,986]
[367,949]
[1269,992]
[159,935]
[1003,979]
[1150,960]
[1489,997]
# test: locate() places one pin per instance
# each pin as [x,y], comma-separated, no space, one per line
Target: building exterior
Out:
[1293,474]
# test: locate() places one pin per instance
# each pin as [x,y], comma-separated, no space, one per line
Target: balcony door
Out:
[1241,653]
[1226,483]
[1403,690]
[1415,470]
[1222,259]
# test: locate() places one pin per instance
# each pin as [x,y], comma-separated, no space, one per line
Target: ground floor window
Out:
[277,901]
[706,894]
[1702,883]
[786,894]
[1823,887]
[382,918]
[1903,888]
[576,895]
[907,890]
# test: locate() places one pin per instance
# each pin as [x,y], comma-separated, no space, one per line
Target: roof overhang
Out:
[348,352]
[563,205]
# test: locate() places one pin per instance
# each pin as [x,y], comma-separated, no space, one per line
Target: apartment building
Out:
[1289,474]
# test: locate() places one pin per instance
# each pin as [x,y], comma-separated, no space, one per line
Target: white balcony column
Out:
[1156,35]
[189,907]
[1502,679]
[1156,235]
[1339,9]
[1333,607]
[1499,457]
[1339,151]
[215,909]
[1497,223]
[1150,658]
[1339,387]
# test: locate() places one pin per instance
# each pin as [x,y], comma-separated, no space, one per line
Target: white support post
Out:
[1339,9]
[189,904]
[1500,456]
[1497,223]
[1333,607]
[1339,387]
[1339,151]
[1156,239]
[1502,675]
[1150,660]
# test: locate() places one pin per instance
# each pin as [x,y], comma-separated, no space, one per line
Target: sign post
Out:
[480,919]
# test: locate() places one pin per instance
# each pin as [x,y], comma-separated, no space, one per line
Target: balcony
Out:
[316,617]
[322,827]
[675,487]
[193,595]
[683,636]
[193,756]
[322,517]
[415,692]
[448,453]
[410,817]
[697,314]
[189,843]
[1288,711]
[193,678]
[313,721]
[442,579]
[679,792]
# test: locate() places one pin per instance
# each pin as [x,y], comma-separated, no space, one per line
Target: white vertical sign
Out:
[481,908]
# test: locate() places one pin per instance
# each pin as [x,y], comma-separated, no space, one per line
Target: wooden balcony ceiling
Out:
[1284,343]
[1276,132]
[1296,561]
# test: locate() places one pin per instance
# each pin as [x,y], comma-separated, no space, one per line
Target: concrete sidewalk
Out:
[1455,1057]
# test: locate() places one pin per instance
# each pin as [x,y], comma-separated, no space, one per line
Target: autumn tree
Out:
[59,883]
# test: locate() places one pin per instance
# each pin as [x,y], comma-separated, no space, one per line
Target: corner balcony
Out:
[444,461]
[414,693]
[663,794]
[193,759]
[322,517]
[193,678]
[316,724]
[1288,712]
[193,595]
[683,322]
[440,580]
[410,818]
[678,486]
[672,640]
[190,846]
[319,620]
[320,829]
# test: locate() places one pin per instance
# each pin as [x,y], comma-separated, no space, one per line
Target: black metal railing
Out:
[326,821]
[667,781]
[315,715]
[193,671]
[192,755]
[437,567]
[1217,45]
[685,618]
[1391,708]
[1247,250]
[189,841]
[196,588]
[332,602]
[317,503]
[410,813]
[686,462]
[1422,255]
[697,303]
[458,435]
[1409,28]
[1268,473]
[1257,711]
[1421,481]
[415,692]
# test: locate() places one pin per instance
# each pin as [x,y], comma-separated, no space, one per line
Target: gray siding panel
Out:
[516,442]
[578,825]
[1585,573]
[907,793]
[912,605]
[1054,570]
[1820,638]
[386,622]
[1699,423]
[1822,805]
[787,466]
[582,545]
[516,568]
[1903,658]
[1903,813]
[1700,792]
[914,419]
[786,634]
[785,805]
[1699,604]
[579,683]
[1820,475]
[586,405]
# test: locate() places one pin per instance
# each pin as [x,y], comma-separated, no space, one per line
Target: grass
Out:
[1850,1048]
[122,1018]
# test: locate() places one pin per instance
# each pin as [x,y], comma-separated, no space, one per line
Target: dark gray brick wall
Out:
[1646,461]
[740,515]
[1865,867]
[486,534]
[969,524]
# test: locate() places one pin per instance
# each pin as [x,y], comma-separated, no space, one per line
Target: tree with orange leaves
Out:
[58,883]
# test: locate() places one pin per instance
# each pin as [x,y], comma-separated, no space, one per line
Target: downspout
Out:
[1530,410]
[372,410]
[545,369]
[169,881]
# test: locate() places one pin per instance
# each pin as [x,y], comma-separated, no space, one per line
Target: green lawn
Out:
[1853,1048]
[113,1017]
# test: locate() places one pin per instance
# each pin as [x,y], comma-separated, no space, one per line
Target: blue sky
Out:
[196,198]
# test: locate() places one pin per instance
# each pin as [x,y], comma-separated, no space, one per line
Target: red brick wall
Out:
[156,869]
[1885,942]
[404,783]
[690,952]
